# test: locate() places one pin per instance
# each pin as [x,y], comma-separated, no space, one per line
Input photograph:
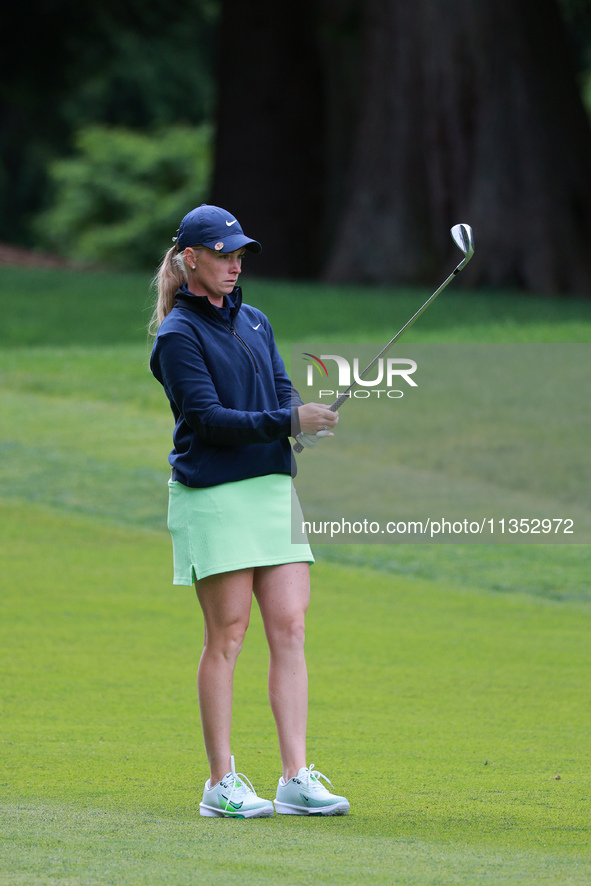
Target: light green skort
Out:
[233,526]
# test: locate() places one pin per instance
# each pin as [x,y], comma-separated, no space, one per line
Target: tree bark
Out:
[470,113]
[269,163]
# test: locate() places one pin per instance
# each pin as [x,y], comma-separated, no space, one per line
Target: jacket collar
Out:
[200,304]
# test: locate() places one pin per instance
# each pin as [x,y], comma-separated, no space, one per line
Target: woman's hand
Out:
[316,417]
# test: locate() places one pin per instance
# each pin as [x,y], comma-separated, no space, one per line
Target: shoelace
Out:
[310,777]
[239,789]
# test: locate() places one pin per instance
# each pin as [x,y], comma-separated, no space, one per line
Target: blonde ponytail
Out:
[170,275]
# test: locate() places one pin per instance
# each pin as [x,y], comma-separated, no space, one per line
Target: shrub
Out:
[120,198]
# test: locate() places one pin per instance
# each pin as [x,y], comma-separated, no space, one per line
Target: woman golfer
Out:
[230,499]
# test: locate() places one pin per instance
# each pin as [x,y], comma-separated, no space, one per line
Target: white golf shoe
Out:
[233,797]
[304,794]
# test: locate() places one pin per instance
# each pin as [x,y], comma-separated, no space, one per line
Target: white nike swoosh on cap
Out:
[231,223]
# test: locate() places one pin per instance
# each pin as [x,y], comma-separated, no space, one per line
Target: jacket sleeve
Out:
[179,365]
[286,393]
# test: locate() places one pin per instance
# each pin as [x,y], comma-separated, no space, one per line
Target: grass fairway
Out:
[474,707]
[450,690]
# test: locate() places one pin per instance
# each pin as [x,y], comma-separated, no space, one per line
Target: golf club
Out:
[464,239]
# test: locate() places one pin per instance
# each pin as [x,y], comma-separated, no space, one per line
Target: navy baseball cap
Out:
[215,228]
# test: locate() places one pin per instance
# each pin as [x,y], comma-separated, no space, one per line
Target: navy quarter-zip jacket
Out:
[233,403]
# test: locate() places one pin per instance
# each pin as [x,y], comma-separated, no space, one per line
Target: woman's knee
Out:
[226,640]
[287,632]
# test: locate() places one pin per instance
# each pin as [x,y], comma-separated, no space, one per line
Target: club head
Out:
[464,239]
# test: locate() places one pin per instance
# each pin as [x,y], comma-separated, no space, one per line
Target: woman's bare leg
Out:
[283,595]
[226,602]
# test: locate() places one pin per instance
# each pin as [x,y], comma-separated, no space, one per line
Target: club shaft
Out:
[341,399]
[468,248]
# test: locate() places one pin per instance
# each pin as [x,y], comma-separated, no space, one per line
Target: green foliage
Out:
[576,15]
[585,82]
[131,64]
[119,81]
[120,199]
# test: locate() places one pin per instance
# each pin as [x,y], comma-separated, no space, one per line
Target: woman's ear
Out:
[189,257]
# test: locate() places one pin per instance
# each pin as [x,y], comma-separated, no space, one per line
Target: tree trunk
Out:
[269,164]
[470,113]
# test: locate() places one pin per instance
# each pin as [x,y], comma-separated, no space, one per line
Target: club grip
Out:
[297,446]
[334,407]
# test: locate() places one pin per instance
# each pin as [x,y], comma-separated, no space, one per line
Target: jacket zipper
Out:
[243,343]
[241,340]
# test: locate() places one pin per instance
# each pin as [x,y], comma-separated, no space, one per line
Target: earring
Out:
[193,266]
